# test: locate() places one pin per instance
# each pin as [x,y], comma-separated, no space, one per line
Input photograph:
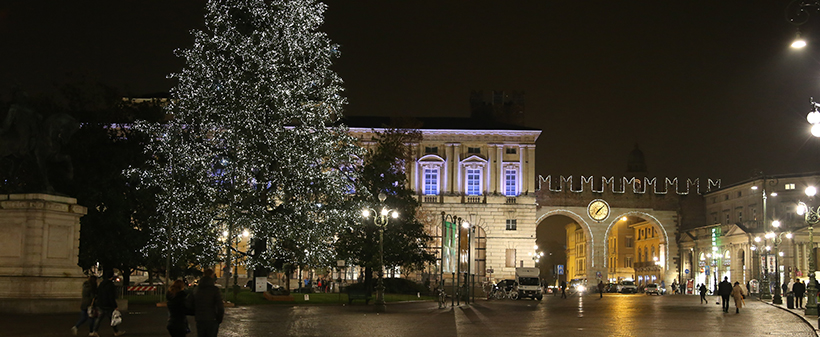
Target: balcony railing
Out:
[511,200]
[473,199]
[430,199]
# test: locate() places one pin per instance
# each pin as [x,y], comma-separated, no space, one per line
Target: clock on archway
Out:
[598,210]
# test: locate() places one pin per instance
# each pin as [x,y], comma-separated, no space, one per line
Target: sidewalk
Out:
[810,320]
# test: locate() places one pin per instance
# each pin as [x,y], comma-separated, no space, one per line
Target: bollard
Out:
[307,297]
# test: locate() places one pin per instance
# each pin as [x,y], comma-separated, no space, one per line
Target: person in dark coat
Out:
[177,310]
[89,292]
[799,290]
[106,302]
[563,289]
[702,289]
[725,291]
[208,307]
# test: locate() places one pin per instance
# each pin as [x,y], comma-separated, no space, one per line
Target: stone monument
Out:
[39,248]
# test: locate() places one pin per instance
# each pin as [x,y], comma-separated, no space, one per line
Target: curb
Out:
[793,313]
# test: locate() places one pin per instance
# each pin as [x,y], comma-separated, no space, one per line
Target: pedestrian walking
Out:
[208,307]
[738,294]
[785,288]
[601,288]
[725,291]
[663,287]
[799,290]
[89,292]
[703,291]
[106,302]
[177,310]
[563,289]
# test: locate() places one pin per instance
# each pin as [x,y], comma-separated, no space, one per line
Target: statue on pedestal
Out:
[25,136]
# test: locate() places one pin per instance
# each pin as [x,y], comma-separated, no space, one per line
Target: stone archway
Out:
[597,233]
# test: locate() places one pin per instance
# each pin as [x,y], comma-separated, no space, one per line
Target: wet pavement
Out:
[614,315]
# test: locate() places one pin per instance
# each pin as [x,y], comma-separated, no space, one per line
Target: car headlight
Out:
[582,288]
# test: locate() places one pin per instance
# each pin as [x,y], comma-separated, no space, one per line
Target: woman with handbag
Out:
[177,309]
[106,302]
[87,309]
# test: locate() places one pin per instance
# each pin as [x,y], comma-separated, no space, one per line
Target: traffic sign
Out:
[686,271]
[598,273]
[560,269]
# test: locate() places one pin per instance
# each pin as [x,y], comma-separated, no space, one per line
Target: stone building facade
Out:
[482,172]
[733,243]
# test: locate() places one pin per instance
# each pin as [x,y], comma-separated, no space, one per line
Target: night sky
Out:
[708,89]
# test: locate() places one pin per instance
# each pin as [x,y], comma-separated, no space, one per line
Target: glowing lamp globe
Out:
[815,130]
[813,117]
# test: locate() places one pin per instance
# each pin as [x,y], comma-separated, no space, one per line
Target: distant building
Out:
[507,108]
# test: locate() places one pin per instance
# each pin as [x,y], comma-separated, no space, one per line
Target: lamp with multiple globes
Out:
[380,219]
[812,217]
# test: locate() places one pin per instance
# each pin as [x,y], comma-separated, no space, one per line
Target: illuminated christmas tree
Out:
[254,143]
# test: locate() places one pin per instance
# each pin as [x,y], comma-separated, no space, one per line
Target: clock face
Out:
[598,210]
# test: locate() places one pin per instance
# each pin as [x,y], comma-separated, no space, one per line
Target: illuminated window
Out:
[431,181]
[511,183]
[789,186]
[473,182]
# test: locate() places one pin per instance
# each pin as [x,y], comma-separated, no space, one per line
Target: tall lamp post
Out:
[764,284]
[762,252]
[380,219]
[811,217]
[467,282]
[777,238]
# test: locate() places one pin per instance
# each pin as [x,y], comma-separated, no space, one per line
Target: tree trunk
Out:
[368,279]
[126,277]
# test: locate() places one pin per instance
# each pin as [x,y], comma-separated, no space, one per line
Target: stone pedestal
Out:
[39,248]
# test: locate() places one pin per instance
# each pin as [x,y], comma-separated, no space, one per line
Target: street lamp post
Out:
[381,219]
[764,283]
[467,283]
[777,238]
[812,217]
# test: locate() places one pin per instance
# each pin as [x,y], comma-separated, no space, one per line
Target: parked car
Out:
[652,289]
[627,287]
[612,288]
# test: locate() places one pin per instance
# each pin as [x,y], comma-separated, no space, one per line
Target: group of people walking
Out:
[204,303]
[738,292]
[726,290]
[98,302]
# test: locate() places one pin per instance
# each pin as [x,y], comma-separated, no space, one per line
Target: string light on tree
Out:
[254,140]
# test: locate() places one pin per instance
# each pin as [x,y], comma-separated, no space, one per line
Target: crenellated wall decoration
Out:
[639,186]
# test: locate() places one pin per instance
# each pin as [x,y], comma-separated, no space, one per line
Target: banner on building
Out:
[450,258]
